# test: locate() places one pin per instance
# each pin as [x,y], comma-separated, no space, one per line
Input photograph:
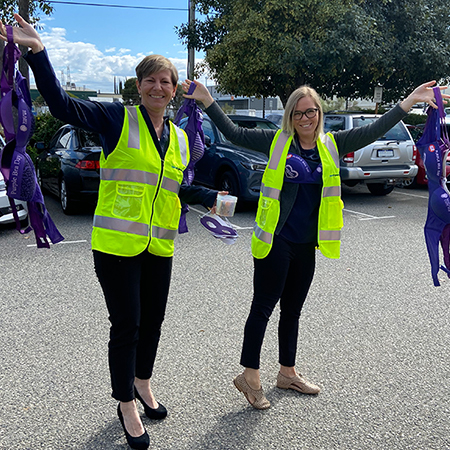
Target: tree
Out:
[130,94]
[29,10]
[339,47]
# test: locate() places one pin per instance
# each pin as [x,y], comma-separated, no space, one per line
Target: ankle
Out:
[252,377]
[288,371]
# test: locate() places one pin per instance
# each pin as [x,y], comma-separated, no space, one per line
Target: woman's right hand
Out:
[200,93]
[24,34]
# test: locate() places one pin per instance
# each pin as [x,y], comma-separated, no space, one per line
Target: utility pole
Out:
[191,50]
[24,11]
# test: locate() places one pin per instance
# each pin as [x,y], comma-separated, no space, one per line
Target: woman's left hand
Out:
[423,93]
[214,208]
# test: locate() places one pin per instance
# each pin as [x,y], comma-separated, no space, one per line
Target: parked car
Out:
[381,165]
[6,215]
[421,178]
[275,118]
[69,167]
[227,167]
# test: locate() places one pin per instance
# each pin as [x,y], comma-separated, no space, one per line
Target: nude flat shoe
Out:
[261,401]
[297,383]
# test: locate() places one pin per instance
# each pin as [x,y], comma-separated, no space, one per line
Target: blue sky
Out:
[98,43]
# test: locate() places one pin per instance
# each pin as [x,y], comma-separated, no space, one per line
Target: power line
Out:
[118,6]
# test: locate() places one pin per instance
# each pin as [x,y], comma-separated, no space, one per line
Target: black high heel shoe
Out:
[138,443]
[156,414]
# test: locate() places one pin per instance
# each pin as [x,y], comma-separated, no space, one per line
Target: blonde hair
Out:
[153,64]
[287,123]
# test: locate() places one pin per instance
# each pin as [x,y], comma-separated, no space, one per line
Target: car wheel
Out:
[66,204]
[409,183]
[229,182]
[380,188]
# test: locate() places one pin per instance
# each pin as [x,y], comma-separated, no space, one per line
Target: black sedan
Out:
[69,167]
[227,167]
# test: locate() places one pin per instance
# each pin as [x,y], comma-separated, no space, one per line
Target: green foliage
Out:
[177,101]
[45,126]
[415,119]
[339,47]
[9,7]
[130,94]
[228,109]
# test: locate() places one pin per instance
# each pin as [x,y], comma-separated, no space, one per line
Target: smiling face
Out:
[156,91]
[306,127]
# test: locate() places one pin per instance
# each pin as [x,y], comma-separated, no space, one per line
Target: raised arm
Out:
[254,139]
[93,116]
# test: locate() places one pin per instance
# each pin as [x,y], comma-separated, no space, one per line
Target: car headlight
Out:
[254,166]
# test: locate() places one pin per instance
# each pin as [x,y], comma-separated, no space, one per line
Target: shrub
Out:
[45,126]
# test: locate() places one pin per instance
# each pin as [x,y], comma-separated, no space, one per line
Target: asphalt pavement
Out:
[374,334]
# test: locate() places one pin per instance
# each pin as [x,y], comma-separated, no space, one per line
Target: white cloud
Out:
[91,67]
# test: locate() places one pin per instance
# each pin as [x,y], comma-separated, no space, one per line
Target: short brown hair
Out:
[153,64]
[288,118]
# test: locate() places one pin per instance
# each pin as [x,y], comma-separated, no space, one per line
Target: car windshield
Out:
[396,133]
[89,139]
[251,124]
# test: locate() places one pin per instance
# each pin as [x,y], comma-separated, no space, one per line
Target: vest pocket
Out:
[267,211]
[333,213]
[128,201]
[171,211]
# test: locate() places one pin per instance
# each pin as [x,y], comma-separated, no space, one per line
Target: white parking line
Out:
[367,216]
[411,195]
[63,242]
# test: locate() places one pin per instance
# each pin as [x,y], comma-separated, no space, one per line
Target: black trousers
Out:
[136,290]
[285,274]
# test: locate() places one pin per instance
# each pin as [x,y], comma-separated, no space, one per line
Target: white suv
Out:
[6,215]
[381,165]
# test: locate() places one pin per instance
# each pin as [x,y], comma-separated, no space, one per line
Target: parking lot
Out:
[374,335]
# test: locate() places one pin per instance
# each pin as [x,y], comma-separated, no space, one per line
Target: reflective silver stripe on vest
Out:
[278,150]
[183,146]
[133,128]
[112,223]
[164,233]
[170,185]
[262,235]
[138,176]
[332,191]
[270,192]
[329,144]
[327,235]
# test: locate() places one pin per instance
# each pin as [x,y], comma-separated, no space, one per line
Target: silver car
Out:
[380,165]
[6,215]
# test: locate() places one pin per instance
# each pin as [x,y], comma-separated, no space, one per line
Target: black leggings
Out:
[136,290]
[285,273]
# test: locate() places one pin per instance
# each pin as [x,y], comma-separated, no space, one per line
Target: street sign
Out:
[377,94]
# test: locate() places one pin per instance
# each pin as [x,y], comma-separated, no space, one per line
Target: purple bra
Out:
[196,140]
[298,171]
[15,163]
[434,146]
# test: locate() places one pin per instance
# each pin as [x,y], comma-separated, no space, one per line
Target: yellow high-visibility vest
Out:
[331,205]
[138,205]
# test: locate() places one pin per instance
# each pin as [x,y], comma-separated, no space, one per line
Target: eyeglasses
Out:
[309,113]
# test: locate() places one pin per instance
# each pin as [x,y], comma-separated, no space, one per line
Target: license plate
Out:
[385,153]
